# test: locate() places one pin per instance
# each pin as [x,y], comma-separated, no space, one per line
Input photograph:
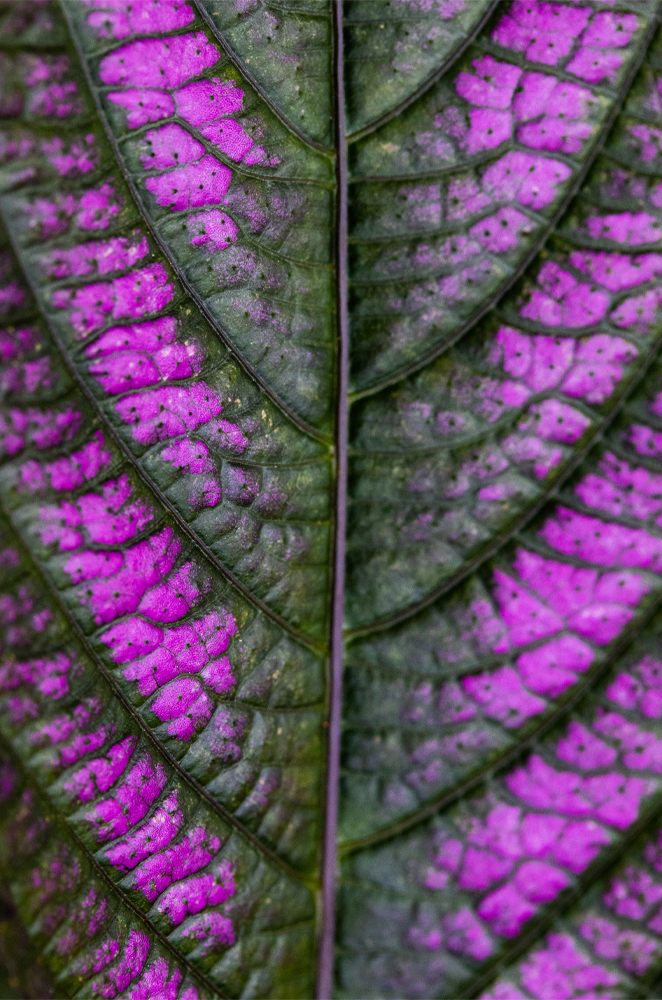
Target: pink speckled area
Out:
[67,472]
[560,969]
[158,88]
[182,649]
[95,209]
[159,414]
[564,612]
[125,968]
[43,429]
[116,254]
[78,157]
[532,179]
[589,538]
[149,838]
[19,374]
[192,186]
[48,676]
[543,112]
[131,798]
[581,788]
[100,774]
[195,893]
[142,354]
[191,853]
[118,19]
[586,369]
[619,933]
[547,33]
[154,62]
[142,291]
[159,981]
[106,518]
[560,300]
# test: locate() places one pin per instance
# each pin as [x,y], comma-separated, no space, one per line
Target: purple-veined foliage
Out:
[331,499]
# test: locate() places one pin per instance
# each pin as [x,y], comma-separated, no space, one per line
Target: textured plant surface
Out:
[317,314]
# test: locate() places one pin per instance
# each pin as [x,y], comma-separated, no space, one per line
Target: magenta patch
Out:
[101,774]
[68,472]
[132,357]
[207,100]
[192,186]
[116,254]
[110,19]
[143,291]
[560,300]
[158,62]
[106,518]
[114,817]
[159,414]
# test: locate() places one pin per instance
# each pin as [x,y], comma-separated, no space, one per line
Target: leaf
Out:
[316,313]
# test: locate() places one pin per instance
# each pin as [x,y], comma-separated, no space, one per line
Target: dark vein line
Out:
[294,417]
[562,75]
[640,371]
[512,755]
[183,525]
[222,157]
[433,352]
[133,713]
[572,502]
[61,819]
[336,657]
[259,89]
[468,163]
[631,163]
[446,229]
[451,58]
[504,423]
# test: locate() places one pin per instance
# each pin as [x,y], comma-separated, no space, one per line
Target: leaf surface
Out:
[315,316]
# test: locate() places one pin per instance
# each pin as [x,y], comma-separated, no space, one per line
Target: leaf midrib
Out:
[326,954]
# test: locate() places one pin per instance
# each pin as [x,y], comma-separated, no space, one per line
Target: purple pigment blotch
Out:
[128,297]
[117,254]
[159,414]
[68,472]
[192,186]
[142,354]
[155,62]
[194,851]
[105,518]
[195,893]
[114,817]
[560,300]
[155,835]
[101,774]
[113,19]
[159,656]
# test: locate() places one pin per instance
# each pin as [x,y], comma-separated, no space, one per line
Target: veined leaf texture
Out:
[331,499]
